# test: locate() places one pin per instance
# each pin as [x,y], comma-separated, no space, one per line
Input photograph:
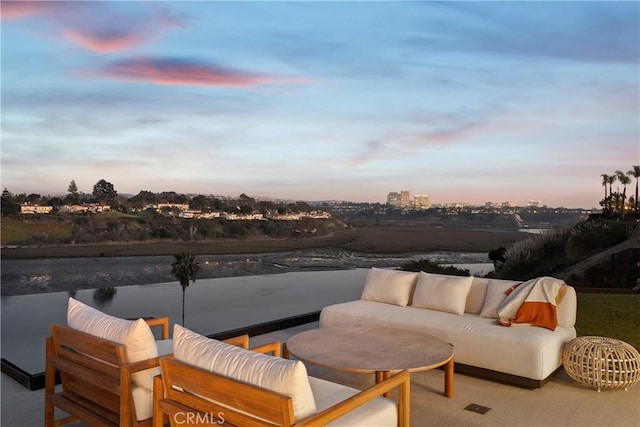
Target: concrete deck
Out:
[561,402]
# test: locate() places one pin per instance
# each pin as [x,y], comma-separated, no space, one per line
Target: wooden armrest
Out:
[272,347]
[160,321]
[401,380]
[240,341]
[142,365]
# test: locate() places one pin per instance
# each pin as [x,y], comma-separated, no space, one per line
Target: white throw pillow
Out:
[496,294]
[389,286]
[442,292]
[283,376]
[136,335]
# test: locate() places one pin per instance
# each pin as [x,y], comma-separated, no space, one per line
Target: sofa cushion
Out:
[477,293]
[283,376]
[442,292]
[389,286]
[496,294]
[379,412]
[137,337]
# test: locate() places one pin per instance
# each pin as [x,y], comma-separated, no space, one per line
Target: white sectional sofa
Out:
[463,312]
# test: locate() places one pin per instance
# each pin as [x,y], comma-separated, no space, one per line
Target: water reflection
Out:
[22,277]
[103,296]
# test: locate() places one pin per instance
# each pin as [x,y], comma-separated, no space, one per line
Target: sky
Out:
[468,102]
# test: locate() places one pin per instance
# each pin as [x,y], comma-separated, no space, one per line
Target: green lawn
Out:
[610,315]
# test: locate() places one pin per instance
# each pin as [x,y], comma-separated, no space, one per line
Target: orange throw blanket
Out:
[534,303]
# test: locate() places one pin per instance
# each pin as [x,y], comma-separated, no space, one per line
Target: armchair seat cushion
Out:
[380,412]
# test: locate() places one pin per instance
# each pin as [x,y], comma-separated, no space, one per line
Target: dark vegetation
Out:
[148,226]
[432,267]
[553,253]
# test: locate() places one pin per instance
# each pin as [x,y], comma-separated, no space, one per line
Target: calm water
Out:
[30,276]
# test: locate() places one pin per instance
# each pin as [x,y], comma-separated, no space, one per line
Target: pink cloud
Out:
[180,72]
[95,26]
[104,42]
[22,9]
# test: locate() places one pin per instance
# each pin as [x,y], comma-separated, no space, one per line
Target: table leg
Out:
[381,376]
[448,378]
[285,351]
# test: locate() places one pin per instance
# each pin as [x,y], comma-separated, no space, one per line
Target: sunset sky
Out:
[464,101]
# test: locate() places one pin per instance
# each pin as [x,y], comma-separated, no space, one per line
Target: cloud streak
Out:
[105,42]
[22,9]
[94,26]
[181,72]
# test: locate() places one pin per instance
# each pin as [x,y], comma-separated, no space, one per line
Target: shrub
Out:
[591,236]
[432,267]
[534,256]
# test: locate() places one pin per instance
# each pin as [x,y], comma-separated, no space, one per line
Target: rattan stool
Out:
[601,362]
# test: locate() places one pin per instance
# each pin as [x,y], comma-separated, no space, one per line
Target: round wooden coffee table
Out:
[371,349]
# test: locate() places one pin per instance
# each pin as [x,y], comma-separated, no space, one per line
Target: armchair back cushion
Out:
[283,376]
[135,335]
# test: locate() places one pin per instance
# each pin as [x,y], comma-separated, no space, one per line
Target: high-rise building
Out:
[534,203]
[421,201]
[394,199]
[405,199]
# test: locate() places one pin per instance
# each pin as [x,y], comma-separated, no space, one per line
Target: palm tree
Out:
[635,172]
[185,269]
[624,180]
[611,180]
[605,181]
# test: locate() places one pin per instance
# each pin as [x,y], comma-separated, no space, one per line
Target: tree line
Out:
[615,204]
[105,193]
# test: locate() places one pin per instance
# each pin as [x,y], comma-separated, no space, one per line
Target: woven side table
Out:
[601,362]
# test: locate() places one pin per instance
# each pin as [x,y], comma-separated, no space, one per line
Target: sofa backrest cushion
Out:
[442,292]
[389,286]
[566,309]
[283,376]
[496,294]
[135,335]
[477,292]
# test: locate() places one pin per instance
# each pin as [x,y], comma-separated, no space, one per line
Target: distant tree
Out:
[172,197]
[610,180]
[56,202]
[265,206]
[10,205]
[497,256]
[635,172]
[73,197]
[73,188]
[244,200]
[104,192]
[605,181]
[200,202]
[624,180]
[185,269]
[143,198]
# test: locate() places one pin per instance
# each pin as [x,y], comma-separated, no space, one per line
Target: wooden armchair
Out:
[96,378]
[187,395]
